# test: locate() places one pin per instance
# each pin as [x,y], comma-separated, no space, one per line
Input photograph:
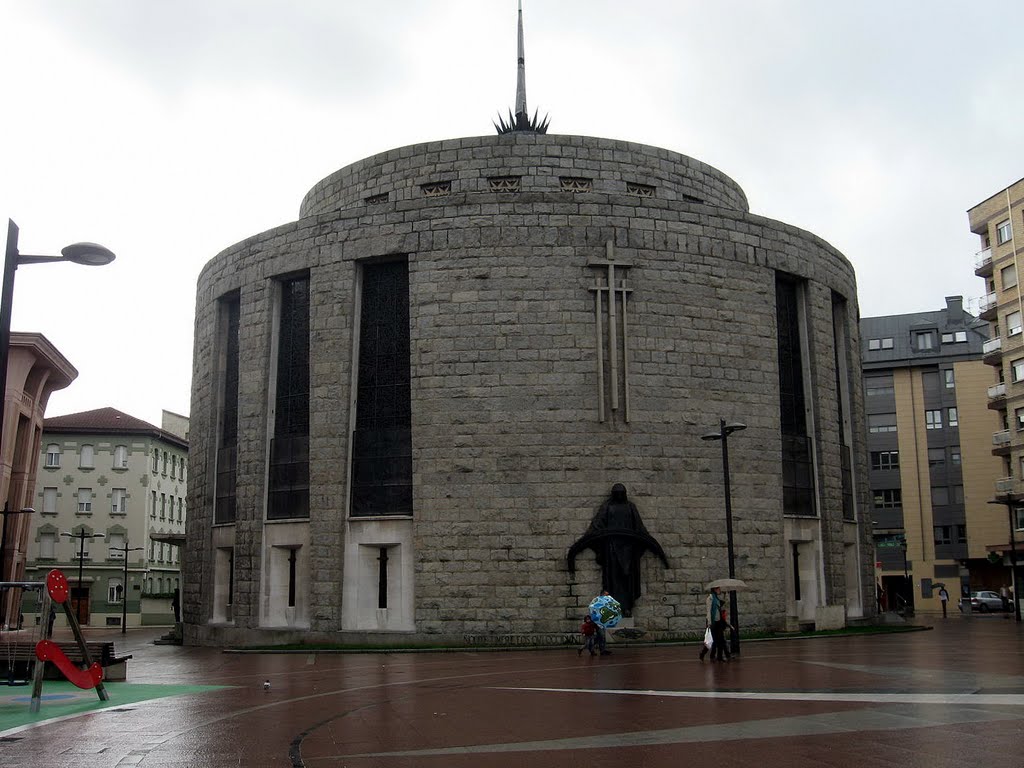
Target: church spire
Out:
[520,121]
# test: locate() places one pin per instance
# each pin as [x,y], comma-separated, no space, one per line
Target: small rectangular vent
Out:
[504,183]
[692,199]
[576,184]
[640,190]
[377,199]
[437,188]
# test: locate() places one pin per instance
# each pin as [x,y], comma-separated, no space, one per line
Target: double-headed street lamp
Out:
[1012,501]
[723,432]
[124,588]
[81,536]
[89,254]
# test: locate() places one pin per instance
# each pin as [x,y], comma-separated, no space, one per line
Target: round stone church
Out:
[411,406]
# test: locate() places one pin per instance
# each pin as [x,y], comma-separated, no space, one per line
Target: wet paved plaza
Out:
[952,696]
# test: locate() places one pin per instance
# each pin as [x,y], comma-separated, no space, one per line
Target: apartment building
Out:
[932,472]
[110,496]
[999,224]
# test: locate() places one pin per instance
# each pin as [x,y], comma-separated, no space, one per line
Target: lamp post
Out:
[81,536]
[724,430]
[1012,501]
[124,596]
[89,254]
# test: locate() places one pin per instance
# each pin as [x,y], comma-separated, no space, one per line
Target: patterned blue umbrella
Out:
[605,611]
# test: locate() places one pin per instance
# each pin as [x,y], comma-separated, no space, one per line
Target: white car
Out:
[982,602]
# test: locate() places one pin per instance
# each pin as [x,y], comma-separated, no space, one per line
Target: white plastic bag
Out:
[708,642]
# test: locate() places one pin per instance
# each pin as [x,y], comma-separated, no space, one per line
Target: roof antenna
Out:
[521,120]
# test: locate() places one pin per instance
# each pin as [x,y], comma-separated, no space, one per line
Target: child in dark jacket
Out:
[589,631]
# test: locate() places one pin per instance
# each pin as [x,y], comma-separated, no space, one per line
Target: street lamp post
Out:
[724,430]
[88,254]
[1012,501]
[81,536]
[124,594]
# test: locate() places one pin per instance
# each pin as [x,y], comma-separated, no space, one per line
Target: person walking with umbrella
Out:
[713,617]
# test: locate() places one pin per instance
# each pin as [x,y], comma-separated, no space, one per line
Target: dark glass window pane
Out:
[224,503]
[382,443]
[288,476]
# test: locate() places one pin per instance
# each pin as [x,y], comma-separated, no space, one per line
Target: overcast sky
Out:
[169,131]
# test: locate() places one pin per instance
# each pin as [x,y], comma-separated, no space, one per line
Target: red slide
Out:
[47,650]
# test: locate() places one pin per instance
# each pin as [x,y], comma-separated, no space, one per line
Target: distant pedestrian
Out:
[944,599]
[1004,593]
[714,610]
[176,605]
[602,635]
[589,631]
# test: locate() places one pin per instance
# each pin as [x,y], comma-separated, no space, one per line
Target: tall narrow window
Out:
[797,468]
[118,501]
[840,345]
[50,501]
[289,448]
[227,449]
[52,455]
[86,457]
[382,443]
[121,457]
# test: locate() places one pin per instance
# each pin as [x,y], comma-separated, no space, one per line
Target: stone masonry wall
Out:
[510,460]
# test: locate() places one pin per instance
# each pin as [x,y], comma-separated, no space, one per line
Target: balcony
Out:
[987,305]
[983,263]
[1006,485]
[992,351]
[1001,443]
[997,397]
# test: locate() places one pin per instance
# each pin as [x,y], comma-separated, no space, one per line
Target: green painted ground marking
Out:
[61,699]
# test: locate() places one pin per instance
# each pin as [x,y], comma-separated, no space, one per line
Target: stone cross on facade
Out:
[610,285]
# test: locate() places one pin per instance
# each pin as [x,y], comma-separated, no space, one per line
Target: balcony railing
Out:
[992,345]
[1005,485]
[1001,438]
[997,391]
[987,302]
[981,258]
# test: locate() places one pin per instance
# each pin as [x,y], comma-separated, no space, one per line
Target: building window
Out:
[47,546]
[115,545]
[924,340]
[1017,370]
[933,419]
[576,184]
[181,510]
[947,374]
[940,496]
[936,457]
[152,506]
[49,501]
[1004,232]
[1013,326]
[1019,417]
[504,183]
[115,590]
[288,481]
[954,455]
[1008,276]
[227,448]
[174,466]
[156,459]
[878,385]
[86,457]
[53,455]
[882,460]
[165,463]
[121,457]
[382,443]
[118,501]
[943,535]
[163,506]
[881,422]
[888,498]
[956,337]
[876,344]
[436,189]
[887,343]
[957,494]
[952,418]
[85,500]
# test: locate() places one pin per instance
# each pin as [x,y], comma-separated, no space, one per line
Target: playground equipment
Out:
[91,676]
